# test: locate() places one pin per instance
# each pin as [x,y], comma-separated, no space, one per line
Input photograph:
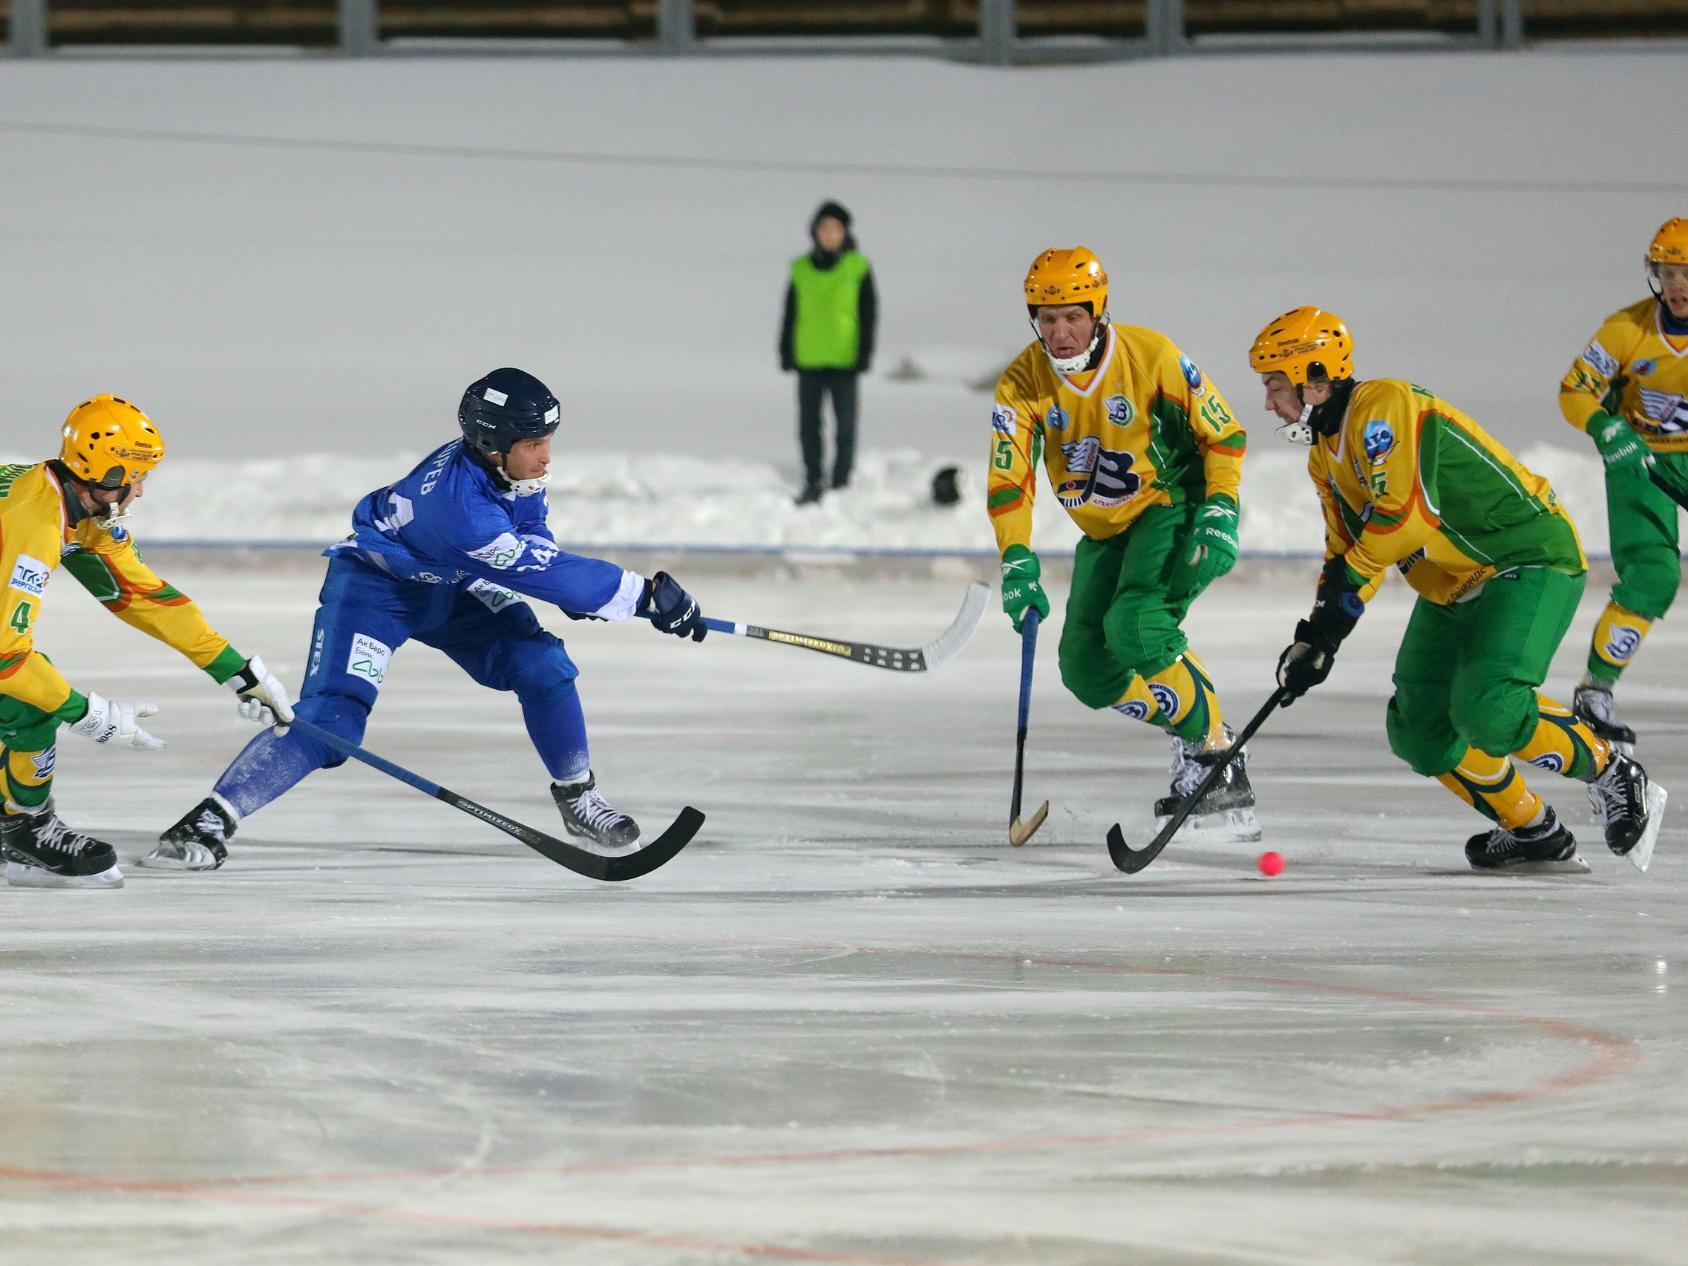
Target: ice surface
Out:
[849,1024]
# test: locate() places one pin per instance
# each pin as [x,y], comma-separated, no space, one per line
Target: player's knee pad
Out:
[1494,716]
[539,668]
[1089,673]
[341,715]
[1143,642]
[1648,581]
[1420,733]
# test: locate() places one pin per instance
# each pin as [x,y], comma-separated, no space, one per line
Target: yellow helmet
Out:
[1670,243]
[1059,277]
[1305,344]
[108,442]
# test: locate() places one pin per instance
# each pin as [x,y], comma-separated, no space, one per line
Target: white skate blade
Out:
[1642,853]
[197,858]
[1572,865]
[21,875]
[1231,826]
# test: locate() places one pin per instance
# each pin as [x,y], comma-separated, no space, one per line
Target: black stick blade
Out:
[659,852]
[1130,860]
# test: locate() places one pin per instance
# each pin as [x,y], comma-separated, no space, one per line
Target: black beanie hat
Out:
[830,210]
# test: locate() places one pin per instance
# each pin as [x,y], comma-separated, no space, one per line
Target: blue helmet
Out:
[505,406]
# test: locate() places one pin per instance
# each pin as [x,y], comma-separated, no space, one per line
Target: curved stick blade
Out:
[1019,832]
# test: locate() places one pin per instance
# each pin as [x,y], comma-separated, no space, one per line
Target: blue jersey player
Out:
[445,557]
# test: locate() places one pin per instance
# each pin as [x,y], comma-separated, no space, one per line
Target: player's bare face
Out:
[1066,331]
[98,499]
[1673,283]
[1281,396]
[527,459]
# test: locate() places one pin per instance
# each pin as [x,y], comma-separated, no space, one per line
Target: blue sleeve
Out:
[522,555]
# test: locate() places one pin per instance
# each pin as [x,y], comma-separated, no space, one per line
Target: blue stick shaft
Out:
[1028,655]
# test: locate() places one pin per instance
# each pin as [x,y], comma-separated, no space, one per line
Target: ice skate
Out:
[1545,848]
[1594,708]
[1226,812]
[587,814]
[198,842]
[1631,807]
[42,852]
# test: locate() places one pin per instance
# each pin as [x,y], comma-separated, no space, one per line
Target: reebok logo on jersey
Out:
[1601,359]
[29,576]
[501,552]
[369,659]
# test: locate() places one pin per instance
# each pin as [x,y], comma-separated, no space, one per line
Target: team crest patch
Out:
[1379,439]
[1056,418]
[1120,410]
[1601,359]
[1192,375]
[1642,368]
[1133,710]
[1550,761]
[29,575]
[1621,643]
[369,659]
[1166,699]
[1002,419]
[1096,474]
[44,762]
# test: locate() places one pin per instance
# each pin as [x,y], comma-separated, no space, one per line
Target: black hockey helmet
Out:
[505,406]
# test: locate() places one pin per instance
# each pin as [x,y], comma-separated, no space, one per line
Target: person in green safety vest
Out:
[831,311]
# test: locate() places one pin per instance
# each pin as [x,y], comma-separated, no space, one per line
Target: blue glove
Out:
[671,608]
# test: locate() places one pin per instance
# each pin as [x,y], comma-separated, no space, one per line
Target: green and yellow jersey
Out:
[35,537]
[1408,481]
[1633,368]
[1141,429]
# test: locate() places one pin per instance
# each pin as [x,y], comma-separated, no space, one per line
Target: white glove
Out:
[115,721]
[262,696]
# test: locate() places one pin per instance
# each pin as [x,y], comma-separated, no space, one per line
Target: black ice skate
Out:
[587,814]
[1595,709]
[1226,812]
[1545,847]
[198,842]
[42,852]
[1631,806]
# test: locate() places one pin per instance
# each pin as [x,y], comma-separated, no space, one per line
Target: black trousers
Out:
[812,385]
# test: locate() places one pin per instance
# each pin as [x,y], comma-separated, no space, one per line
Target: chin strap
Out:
[1299,431]
[1081,362]
[527,487]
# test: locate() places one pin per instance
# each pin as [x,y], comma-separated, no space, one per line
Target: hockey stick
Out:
[940,650]
[1131,860]
[581,861]
[1019,832]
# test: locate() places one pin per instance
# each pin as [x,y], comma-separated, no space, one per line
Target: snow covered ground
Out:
[849,1024]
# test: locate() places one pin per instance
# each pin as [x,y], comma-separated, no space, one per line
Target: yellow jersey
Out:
[1633,369]
[36,535]
[1408,481]
[1143,428]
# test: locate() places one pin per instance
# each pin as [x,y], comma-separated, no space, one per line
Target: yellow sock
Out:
[1188,703]
[1563,744]
[28,777]
[1490,785]
[1618,634]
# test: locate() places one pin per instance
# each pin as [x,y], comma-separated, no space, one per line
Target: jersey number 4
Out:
[21,615]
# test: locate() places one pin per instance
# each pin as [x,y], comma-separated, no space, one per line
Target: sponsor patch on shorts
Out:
[493,597]
[369,659]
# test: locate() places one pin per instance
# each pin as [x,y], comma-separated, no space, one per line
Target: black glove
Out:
[1337,608]
[671,608]
[1304,664]
[581,615]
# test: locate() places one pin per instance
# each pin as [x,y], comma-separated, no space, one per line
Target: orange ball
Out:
[1271,864]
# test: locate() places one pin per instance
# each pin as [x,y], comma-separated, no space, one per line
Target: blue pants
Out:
[363,617]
